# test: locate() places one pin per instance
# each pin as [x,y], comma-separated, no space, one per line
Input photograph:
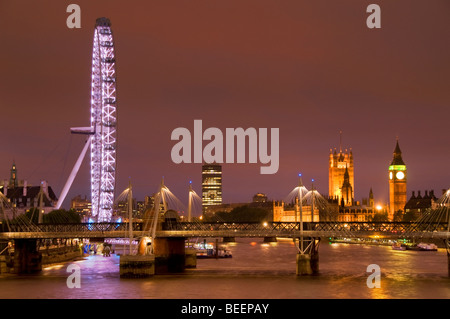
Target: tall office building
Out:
[211,186]
[82,206]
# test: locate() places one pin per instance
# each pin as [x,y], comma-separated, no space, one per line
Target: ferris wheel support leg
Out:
[73,173]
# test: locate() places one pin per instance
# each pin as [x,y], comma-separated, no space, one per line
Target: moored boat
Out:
[399,246]
[415,247]
[205,250]
[426,247]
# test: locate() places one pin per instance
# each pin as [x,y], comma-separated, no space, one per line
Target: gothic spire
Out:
[397,160]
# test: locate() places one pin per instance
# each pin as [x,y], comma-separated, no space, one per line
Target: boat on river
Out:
[423,247]
[207,250]
[418,247]
[399,246]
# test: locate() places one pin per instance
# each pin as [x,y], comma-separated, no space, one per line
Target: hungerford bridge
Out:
[170,234]
[162,234]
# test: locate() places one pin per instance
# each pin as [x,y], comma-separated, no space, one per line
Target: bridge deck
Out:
[273,229]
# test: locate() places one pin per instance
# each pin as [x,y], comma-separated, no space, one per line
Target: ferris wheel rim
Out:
[103,121]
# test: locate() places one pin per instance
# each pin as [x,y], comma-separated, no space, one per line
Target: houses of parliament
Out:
[342,188]
[342,205]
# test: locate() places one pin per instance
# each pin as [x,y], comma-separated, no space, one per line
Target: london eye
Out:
[103,122]
[102,139]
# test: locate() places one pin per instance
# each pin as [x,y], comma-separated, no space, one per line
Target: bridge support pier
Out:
[308,256]
[191,258]
[27,258]
[137,266]
[447,246]
[170,255]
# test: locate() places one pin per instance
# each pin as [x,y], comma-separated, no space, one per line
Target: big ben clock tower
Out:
[397,183]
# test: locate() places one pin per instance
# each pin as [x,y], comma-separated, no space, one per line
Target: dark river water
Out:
[257,270]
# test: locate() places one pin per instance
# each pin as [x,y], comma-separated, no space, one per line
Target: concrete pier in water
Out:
[27,258]
[137,266]
[308,258]
[191,258]
[170,255]
[307,264]
[447,247]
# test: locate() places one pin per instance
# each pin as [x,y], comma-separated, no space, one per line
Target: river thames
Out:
[257,270]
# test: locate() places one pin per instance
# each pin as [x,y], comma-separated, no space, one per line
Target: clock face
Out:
[400,175]
[390,175]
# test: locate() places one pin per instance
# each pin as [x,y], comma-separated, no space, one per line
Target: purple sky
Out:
[309,68]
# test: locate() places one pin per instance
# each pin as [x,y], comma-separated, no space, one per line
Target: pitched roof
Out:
[16,194]
[419,202]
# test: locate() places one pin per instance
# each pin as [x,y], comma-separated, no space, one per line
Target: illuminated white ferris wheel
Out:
[103,122]
[102,132]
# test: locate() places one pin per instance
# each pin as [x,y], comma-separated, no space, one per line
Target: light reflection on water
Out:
[257,270]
